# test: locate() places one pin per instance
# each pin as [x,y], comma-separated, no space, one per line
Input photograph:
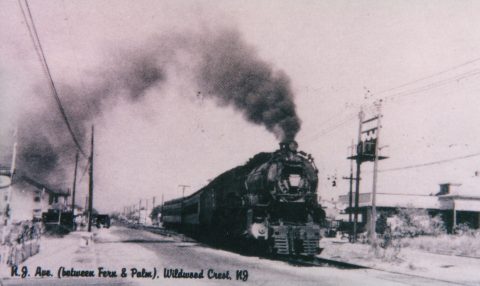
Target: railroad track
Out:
[313,262]
[162,231]
[154,229]
[158,230]
[321,262]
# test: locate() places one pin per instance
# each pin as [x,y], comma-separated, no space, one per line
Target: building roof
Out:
[22,178]
[464,196]
[470,187]
[397,201]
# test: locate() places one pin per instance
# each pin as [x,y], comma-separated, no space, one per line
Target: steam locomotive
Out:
[270,201]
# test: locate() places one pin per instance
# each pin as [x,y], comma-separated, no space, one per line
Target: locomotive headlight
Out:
[258,230]
[294,180]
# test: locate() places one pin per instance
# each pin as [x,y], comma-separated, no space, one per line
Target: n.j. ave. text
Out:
[140,273]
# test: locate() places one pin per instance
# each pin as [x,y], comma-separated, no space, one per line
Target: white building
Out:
[456,203]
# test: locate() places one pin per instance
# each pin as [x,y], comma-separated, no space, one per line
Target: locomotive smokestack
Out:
[291,146]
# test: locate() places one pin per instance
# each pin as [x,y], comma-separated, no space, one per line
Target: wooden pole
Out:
[139,213]
[350,194]
[7,210]
[373,221]
[357,180]
[74,187]
[90,185]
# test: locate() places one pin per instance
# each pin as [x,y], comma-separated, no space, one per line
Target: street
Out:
[143,255]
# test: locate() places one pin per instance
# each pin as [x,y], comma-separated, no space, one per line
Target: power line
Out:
[39,50]
[434,84]
[430,163]
[419,89]
[30,32]
[325,122]
[84,171]
[328,130]
[332,128]
[429,76]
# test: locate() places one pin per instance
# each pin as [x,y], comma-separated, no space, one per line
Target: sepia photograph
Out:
[252,142]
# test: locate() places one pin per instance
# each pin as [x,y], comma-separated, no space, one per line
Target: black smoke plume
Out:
[232,72]
[224,68]
[46,149]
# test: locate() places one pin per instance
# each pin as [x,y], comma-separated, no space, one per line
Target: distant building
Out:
[461,203]
[29,199]
[456,203]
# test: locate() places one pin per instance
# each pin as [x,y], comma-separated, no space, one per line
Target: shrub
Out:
[464,229]
[410,222]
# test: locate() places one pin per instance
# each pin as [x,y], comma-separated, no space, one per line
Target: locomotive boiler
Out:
[270,201]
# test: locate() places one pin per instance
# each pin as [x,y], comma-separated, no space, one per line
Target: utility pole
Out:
[367,151]
[350,193]
[146,210]
[183,189]
[90,185]
[350,197]
[373,221]
[74,188]
[153,202]
[139,212]
[357,181]
[7,211]
[161,210]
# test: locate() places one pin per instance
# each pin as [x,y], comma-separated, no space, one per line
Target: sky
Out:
[421,58]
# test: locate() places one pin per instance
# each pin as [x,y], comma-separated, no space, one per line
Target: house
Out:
[23,200]
[30,198]
[26,199]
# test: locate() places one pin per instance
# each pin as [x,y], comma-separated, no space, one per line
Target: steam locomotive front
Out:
[293,175]
[283,196]
[290,176]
